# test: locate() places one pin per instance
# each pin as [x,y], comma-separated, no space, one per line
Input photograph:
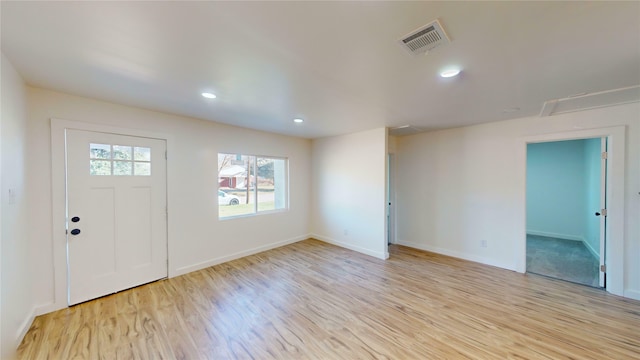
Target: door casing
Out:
[603,219]
[614,251]
[391,206]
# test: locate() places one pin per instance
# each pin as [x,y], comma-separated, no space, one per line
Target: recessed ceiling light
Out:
[208,95]
[298,121]
[511,110]
[450,73]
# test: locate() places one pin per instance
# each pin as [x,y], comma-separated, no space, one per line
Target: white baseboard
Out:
[24,327]
[632,294]
[377,254]
[591,249]
[456,254]
[50,307]
[555,235]
[219,260]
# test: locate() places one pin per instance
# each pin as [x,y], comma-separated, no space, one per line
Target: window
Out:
[249,185]
[119,160]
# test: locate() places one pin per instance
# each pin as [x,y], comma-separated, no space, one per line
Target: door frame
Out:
[602,278]
[614,254]
[391,198]
[58,201]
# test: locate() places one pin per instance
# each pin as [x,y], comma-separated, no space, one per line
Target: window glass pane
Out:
[100,151]
[236,185]
[99,167]
[122,167]
[141,154]
[142,169]
[265,184]
[271,184]
[122,152]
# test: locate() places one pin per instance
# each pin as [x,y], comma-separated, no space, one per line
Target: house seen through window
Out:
[251,184]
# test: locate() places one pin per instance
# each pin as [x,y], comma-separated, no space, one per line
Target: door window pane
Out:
[99,151]
[141,154]
[99,167]
[122,167]
[142,169]
[122,152]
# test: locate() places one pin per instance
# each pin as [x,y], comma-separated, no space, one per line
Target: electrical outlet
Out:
[483,243]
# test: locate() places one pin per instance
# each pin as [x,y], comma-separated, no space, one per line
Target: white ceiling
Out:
[336,64]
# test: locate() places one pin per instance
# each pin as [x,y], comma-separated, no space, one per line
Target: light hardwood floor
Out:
[311,300]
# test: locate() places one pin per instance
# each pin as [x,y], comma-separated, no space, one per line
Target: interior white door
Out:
[116,212]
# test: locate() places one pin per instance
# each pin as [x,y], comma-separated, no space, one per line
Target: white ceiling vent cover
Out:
[424,39]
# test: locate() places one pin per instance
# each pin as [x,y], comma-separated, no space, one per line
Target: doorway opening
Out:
[566,210]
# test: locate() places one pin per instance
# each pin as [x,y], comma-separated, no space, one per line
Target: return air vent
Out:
[424,39]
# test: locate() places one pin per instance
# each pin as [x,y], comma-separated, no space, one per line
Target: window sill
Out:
[267,212]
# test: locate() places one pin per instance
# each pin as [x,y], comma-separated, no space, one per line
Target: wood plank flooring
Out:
[311,300]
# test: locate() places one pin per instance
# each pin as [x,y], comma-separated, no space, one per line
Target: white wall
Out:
[458,187]
[556,189]
[349,191]
[197,238]
[16,303]
[563,190]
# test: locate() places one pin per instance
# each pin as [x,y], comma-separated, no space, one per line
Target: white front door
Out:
[116,212]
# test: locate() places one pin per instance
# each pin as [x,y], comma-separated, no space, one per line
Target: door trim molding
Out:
[616,137]
[58,200]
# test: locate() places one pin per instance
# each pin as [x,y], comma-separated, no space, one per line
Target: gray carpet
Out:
[562,259]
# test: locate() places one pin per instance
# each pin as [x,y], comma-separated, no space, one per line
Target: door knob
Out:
[75,231]
[597,214]
[75,219]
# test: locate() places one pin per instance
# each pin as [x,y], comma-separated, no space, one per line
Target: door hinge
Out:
[603,268]
[165,155]
[603,212]
[605,155]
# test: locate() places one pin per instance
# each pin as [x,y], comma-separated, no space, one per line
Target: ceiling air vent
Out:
[424,39]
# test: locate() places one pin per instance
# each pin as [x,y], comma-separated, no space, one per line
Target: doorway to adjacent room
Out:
[566,210]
